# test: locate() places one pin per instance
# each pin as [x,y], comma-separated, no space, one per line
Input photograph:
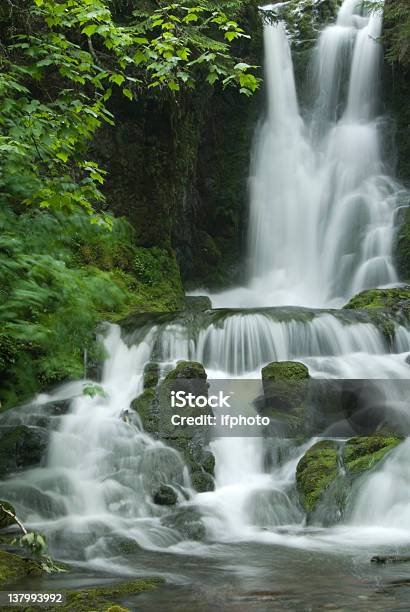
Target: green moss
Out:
[373,299]
[13,567]
[187,370]
[143,405]
[103,599]
[362,454]
[315,471]
[151,375]
[285,370]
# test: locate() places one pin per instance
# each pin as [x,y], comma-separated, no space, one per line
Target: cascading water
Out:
[322,201]
[321,229]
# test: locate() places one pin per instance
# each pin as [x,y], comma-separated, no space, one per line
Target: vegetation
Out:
[60,63]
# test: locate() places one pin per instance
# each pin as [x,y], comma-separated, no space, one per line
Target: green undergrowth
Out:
[59,277]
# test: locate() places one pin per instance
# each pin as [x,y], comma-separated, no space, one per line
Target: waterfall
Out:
[321,229]
[322,203]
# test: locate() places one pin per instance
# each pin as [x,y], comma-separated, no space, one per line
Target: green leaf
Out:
[173,86]
[117,78]
[90,29]
[127,93]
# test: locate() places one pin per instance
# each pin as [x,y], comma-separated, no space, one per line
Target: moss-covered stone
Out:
[285,370]
[13,567]
[203,482]
[382,299]
[188,522]
[21,447]
[151,375]
[363,453]
[5,519]
[315,471]
[198,303]
[165,496]
[187,370]
[284,386]
[143,405]
[103,599]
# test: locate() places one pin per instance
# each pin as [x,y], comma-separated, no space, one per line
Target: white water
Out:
[321,229]
[322,201]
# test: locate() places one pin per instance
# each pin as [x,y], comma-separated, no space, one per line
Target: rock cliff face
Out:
[179,172]
[396,88]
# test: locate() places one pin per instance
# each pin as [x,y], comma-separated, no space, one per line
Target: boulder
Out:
[363,453]
[188,522]
[285,385]
[165,496]
[13,568]
[151,375]
[22,447]
[315,471]
[198,303]
[191,441]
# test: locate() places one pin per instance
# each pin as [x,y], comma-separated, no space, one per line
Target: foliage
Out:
[396,28]
[93,390]
[59,66]
[60,276]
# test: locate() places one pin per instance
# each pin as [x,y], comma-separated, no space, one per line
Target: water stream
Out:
[322,222]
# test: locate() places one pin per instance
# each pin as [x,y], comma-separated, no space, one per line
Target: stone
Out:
[165,496]
[198,303]
[22,447]
[151,375]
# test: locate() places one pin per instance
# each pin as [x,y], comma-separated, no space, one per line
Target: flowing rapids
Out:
[322,223]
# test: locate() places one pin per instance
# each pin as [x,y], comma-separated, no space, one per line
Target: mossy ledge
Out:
[105,599]
[394,300]
[13,567]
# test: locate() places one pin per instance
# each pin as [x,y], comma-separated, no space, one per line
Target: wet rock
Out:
[155,410]
[315,471]
[188,521]
[285,385]
[198,303]
[202,482]
[382,560]
[5,519]
[13,568]
[151,375]
[165,496]
[22,447]
[363,453]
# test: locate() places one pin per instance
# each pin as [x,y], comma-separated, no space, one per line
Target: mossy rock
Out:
[203,482]
[151,375]
[143,406]
[315,471]
[285,370]
[363,453]
[383,299]
[104,598]
[5,519]
[165,496]
[188,522]
[284,387]
[187,370]
[21,447]
[198,303]
[13,567]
